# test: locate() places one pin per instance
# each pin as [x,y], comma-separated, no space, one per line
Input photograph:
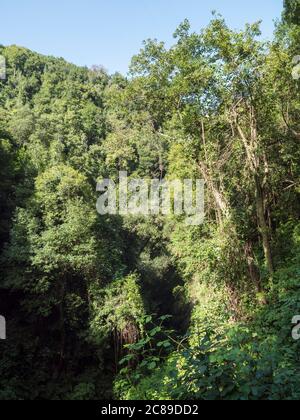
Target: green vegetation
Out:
[150,308]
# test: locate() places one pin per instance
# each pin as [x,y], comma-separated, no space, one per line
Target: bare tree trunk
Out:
[252,267]
[254,163]
[222,208]
[263,226]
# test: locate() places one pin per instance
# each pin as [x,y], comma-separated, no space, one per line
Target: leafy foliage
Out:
[76,288]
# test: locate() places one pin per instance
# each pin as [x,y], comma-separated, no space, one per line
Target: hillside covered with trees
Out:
[132,307]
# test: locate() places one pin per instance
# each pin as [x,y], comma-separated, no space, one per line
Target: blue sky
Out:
[110,32]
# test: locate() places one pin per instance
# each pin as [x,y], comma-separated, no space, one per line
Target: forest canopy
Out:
[133,307]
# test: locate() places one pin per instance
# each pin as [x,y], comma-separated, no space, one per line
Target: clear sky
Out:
[110,32]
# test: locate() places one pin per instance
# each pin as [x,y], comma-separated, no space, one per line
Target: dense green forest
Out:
[132,307]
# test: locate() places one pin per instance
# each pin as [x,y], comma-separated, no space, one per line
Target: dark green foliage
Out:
[292,11]
[76,288]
